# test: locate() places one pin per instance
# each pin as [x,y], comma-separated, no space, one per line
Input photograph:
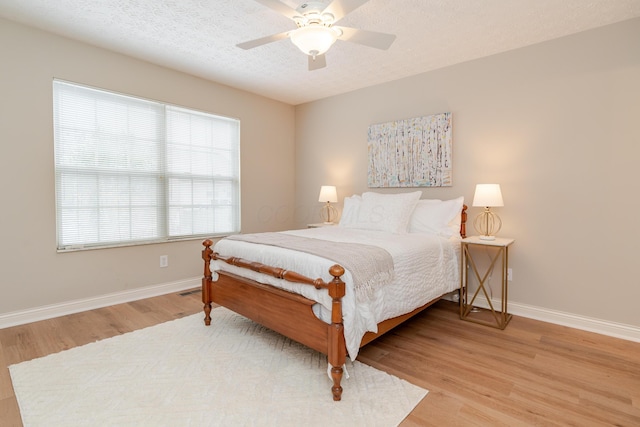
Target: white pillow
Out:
[386,212]
[437,217]
[350,210]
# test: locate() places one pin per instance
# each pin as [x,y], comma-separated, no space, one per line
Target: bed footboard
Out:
[285,312]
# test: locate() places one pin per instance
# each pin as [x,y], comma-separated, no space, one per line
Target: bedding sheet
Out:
[425,267]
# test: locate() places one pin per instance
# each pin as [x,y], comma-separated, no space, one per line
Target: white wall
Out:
[556,124]
[32,274]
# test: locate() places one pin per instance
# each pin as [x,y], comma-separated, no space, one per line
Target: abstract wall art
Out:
[414,152]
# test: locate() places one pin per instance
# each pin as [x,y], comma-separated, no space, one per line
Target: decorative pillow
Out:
[386,212]
[350,210]
[437,217]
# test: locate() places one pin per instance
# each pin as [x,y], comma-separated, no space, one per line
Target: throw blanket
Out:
[370,266]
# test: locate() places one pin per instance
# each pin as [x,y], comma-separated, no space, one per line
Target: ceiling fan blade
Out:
[279,7]
[318,62]
[339,8]
[368,38]
[264,40]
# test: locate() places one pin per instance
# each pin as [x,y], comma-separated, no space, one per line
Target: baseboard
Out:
[70,307]
[612,329]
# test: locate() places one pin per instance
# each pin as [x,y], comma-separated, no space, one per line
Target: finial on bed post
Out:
[337,352]
[207,254]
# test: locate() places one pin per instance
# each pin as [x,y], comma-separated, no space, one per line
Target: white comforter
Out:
[426,267]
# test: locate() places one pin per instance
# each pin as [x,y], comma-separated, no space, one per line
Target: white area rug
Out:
[232,373]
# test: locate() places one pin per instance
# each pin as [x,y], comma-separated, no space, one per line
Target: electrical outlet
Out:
[164,260]
[509,274]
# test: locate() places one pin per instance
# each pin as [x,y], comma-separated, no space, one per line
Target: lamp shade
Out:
[314,39]
[488,195]
[328,194]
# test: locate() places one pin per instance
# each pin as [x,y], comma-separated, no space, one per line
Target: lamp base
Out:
[487,237]
[487,224]
[328,213]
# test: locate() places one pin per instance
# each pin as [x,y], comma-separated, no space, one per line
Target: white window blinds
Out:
[130,171]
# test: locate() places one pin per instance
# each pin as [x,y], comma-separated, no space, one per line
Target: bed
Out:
[295,282]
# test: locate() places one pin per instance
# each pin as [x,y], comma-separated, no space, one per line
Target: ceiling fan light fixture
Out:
[327,18]
[313,39]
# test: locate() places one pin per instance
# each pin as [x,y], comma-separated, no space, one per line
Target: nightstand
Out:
[321,224]
[498,250]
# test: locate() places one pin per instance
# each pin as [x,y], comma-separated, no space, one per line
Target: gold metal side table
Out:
[468,311]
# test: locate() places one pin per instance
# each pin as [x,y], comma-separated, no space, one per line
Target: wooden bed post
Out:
[337,349]
[207,253]
[463,222]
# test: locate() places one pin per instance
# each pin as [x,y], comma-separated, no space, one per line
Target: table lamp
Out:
[329,195]
[487,223]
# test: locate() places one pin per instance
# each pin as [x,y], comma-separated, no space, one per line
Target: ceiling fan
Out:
[316,31]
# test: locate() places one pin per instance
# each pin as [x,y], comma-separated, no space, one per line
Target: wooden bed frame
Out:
[288,313]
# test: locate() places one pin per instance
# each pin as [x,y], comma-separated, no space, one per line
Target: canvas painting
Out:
[414,152]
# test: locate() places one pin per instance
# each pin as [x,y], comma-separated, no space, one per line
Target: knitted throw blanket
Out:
[370,266]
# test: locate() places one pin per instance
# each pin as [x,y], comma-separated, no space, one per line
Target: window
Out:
[131,171]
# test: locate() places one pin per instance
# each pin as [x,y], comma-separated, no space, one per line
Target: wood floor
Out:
[532,373]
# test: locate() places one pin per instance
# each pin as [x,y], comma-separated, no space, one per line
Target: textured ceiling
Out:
[199,36]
